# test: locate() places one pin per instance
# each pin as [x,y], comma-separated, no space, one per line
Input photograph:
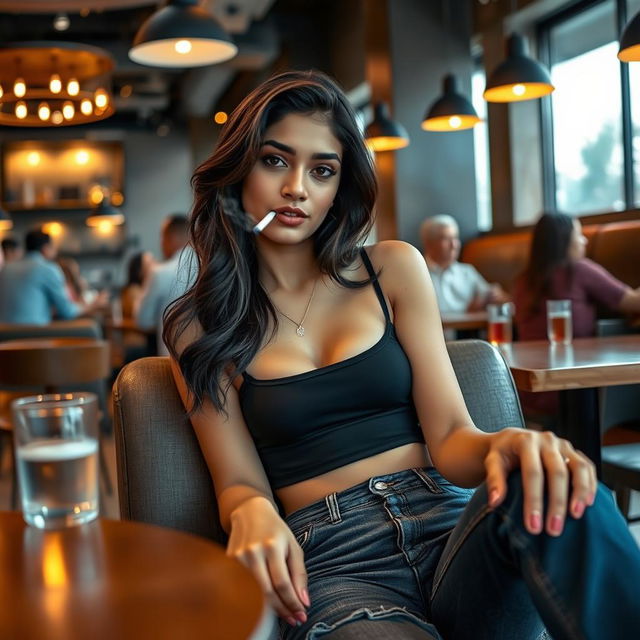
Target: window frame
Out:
[543,38]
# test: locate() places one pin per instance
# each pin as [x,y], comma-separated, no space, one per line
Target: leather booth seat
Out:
[501,257]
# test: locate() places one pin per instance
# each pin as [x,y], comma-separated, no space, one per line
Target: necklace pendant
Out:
[300,331]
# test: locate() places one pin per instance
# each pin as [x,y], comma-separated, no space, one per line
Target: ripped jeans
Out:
[409,555]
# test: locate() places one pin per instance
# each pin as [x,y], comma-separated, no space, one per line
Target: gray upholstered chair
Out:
[162,476]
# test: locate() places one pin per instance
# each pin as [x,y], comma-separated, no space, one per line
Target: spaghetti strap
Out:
[376,284]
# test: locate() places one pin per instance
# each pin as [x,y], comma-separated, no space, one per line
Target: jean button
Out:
[380,485]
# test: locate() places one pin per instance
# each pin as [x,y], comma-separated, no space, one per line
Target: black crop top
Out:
[310,423]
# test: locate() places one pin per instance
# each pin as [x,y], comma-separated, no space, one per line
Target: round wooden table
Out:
[122,580]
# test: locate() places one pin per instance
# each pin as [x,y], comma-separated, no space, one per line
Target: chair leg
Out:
[623,498]
[104,471]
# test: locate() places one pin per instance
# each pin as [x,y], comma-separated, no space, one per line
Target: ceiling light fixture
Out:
[104,213]
[385,134]
[630,41]
[54,83]
[451,112]
[519,77]
[181,34]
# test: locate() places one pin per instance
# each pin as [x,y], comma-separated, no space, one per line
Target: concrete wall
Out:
[435,173]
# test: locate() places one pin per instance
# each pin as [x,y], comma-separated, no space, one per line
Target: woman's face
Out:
[297,174]
[577,243]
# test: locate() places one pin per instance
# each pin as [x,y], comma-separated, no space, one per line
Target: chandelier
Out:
[49,84]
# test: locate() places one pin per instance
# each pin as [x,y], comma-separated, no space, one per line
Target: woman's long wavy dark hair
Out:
[227,299]
[549,251]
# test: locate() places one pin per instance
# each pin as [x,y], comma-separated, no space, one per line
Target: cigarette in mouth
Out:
[264,222]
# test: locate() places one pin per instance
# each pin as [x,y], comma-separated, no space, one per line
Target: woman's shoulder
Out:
[394,255]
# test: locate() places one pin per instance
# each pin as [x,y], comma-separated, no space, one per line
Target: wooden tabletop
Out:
[466,320]
[121,580]
[587,362]
[127,324]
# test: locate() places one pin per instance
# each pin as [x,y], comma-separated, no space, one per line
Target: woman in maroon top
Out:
[558,270]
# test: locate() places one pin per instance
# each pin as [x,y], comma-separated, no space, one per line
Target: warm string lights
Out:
[53,84]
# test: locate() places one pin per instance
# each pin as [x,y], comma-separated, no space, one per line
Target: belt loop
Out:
[334,509]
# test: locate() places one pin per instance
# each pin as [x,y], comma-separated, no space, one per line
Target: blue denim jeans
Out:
[409,555]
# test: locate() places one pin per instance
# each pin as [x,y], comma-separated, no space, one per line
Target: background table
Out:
[576,371]
[122,580]
[465,321]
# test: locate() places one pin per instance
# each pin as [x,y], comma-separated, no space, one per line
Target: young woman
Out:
[558,270]
[315,372]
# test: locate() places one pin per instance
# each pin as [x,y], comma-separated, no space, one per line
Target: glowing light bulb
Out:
[86,106]
[55,84]
[54,229]
[1,91]
[73,87]
[105,226]
[455,122]
[183,47]
[68,110]
[82,157]
[100,98]
[57,117]
[19,88]
[96,195]
[519,89]
[33,158]
[220,118]
[21,110]
[44,112]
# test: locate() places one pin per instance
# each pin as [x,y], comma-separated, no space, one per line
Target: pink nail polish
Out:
[535,522]
[578,509]
[301,616]
[494,494]
[555,526]
[292,621]
[305,597]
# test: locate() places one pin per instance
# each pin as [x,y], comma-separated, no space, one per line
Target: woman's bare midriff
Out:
[302,494]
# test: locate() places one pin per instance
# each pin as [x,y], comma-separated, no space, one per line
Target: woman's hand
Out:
[264,544]
[542,457]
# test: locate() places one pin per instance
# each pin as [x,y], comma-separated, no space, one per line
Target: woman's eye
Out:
[273,161]
[325,172]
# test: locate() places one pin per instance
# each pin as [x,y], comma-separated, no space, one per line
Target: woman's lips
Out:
[289,220]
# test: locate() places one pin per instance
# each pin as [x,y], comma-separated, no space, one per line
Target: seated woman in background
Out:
[558,270]
[140,265]
[75,285]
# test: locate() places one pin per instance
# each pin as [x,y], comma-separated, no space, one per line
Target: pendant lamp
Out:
[385,134]
[5,220]
[105,214]
[181,34]
[451,112]
[630,41]
[519,77]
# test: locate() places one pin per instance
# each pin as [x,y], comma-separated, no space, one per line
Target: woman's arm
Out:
[463,453]
[630,302]
[258,537]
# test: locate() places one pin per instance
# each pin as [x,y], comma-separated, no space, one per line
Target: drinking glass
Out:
[499,327]
[559,322]
[56,453]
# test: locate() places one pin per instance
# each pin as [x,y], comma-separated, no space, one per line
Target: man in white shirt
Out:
[458,286]
[168,280]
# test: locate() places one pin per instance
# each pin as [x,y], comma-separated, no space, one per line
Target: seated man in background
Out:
[458,286]
[169,279]
[32,288]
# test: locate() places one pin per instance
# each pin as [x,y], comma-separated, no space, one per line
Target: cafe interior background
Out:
[102,176]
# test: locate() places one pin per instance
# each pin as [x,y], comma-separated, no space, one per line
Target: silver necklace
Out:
[299,327]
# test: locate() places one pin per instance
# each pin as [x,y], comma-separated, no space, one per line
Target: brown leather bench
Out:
[501,257]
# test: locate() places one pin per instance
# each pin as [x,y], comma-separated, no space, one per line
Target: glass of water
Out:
[56,453]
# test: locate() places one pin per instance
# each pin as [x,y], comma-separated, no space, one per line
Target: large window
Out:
[633,6]
[586,111]
[481,148]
